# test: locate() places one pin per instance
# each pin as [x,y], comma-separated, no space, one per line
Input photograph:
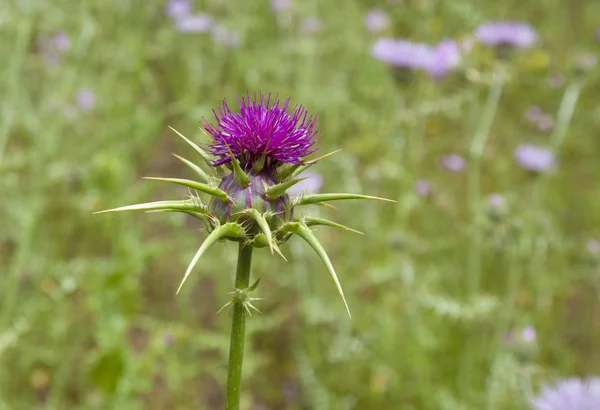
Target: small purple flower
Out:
[377,20]
[506,33]
[569,394]
[85,99]
[436,61]
[312,184]
[593,246]
[311,25]
[528,334]
[61,41]
[280,5]
[545,122]
[194,23]
[262,128]
[422,187]
[535,157]
[453,162]
[178,8]
[446,56]
[533,113]
[496,200]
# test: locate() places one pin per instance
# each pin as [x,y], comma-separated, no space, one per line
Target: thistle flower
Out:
[256,155]
[569,394]
[535,157]
[506,33]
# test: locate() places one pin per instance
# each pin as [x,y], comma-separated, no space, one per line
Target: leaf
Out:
[305,233]
[230,229]
[312,220]
[199,150]
[316,198]
[183,206]
[275,191]
[207,189]
[107,371]
[199,171]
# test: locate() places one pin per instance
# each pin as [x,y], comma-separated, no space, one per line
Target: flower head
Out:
[86,99]
[376,20]
[569,394]
[506,33]
[194,23]
[535,157]
[262,129]
[178,8]
[422,187]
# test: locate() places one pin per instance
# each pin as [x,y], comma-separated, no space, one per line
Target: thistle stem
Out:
[238,329]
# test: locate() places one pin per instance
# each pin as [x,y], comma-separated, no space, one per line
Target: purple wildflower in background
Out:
[61,41]
[262,128]
[194,23]
[222,35]
[312,184]
[453,162]
[85,99]
[436,61]
[533,113]
[446,56]
[280,5]
[528,334]
[593,246]
[535,157]
[496,200]
[569,394]
[422,187]
[376,20]
[178,8]
[51,47]
[311,25]
[506,33]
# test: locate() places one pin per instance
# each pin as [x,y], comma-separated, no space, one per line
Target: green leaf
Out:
[199,171]
[238,173]
[107,371]
[207,158]
[230,229]
[317,198]
[303,167]
[305,233]
[312,220]
[280,189]
[183,206]
[207,189]
[263,225]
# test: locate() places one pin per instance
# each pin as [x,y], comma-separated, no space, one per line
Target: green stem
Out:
[238,329]
[474,178]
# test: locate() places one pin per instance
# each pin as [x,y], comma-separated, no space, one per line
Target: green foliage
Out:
[89,318]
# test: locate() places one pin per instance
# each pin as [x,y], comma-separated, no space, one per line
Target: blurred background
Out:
[477,288]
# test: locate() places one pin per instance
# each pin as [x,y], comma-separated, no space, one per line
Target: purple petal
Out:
[535,158]
[453,162]
[509,33]
[85,99]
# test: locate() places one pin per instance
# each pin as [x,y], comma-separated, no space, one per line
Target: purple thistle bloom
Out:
[453,162]
[85,99]
[535,157]
[376,21]
[194,23]
[569,394]
[496,200]
[61,41]
[178,8]
[506,33]
[528,334]
[312,184]
[262,128]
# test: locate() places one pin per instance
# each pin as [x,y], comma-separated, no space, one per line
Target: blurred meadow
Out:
[479,286]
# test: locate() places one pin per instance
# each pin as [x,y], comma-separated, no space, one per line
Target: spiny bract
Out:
[255,156]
